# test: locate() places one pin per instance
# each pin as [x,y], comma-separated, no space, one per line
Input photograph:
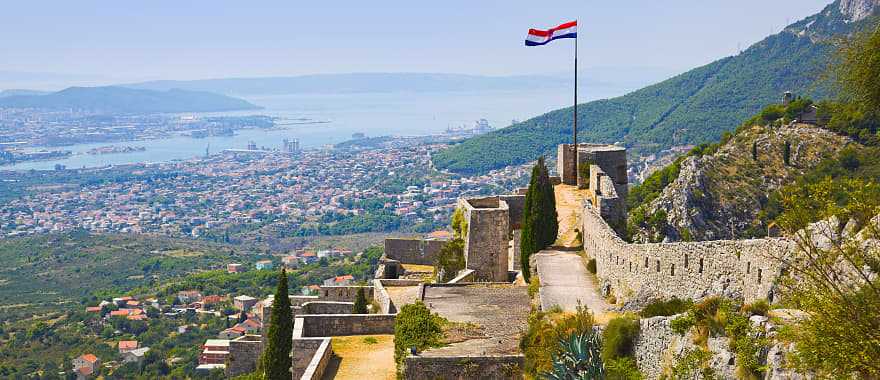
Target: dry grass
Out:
[418,268]
[359,356]
[568,209]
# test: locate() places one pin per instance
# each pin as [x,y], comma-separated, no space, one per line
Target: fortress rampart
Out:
[733,268]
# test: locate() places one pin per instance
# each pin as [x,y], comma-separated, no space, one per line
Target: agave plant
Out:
[578,358]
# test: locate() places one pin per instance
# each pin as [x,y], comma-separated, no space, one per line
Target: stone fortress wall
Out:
[733,268]
[492,237]
[413,250]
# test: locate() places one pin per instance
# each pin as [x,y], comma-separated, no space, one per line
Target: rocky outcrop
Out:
[719,196]
[657,349]
[857,10]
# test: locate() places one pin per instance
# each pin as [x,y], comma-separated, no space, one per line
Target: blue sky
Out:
[134,40]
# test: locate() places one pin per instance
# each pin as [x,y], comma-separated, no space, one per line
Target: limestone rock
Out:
[719,196]
[857,10]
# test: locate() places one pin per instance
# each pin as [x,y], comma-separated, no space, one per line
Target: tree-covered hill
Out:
[691,108]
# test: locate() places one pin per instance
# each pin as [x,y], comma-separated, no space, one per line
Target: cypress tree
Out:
[786,153]
[539,225]
[527,242]
[547,210]
[360,302]
[276,362]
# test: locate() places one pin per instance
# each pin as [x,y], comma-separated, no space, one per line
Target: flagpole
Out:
[575,129]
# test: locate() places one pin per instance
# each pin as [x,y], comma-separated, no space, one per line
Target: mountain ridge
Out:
[690,108]
[357,83]
[115,99]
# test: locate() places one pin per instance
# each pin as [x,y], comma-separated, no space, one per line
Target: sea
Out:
[341,116]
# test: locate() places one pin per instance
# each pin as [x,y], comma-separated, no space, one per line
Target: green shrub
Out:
[541,340]
[622,369]
[417,327]
[370,340]
[534,286]
[619,337]
[759,307]
[591,266]
[360,303]
[584,174]
[666,307]
[682,324]
[691,364]
[459,223]
[450,260]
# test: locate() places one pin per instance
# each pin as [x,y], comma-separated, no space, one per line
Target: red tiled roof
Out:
[89,358]
[93,309]
[139,317]
[128,344]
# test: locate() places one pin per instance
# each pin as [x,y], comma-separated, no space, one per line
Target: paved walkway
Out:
[566,282]
[563,273]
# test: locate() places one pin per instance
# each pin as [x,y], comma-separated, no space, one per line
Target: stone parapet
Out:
[413,250]
[463,367]
[343,293]
[321,325]
[743,269]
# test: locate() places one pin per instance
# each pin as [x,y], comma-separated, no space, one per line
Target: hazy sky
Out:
[132,40]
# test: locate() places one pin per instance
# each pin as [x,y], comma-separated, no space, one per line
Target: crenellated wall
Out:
[734,268]
[344,293]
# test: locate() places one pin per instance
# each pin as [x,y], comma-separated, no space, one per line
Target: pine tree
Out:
[276,362]
[360,302]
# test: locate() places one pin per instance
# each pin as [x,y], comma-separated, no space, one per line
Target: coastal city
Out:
[269,193]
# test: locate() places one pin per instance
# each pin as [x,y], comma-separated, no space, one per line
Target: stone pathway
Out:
[566,282]
[563,273]
[569,201]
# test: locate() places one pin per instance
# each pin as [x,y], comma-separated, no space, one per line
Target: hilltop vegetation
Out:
[736,188]
[55,272]
[692,108]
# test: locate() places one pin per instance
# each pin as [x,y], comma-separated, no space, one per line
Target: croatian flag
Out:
[538,37]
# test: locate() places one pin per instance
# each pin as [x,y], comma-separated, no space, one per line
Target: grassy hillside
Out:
[50,272]
[692,108]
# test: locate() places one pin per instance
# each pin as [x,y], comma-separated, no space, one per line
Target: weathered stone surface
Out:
[304,350]
[488,236]
[320,325]
[413,251]
[658,347]
[464,367]
[719,195]
[327,307]
[244,353]
[344,293]
[740,269]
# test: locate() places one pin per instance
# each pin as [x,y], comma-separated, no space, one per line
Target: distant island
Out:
[113,149]
[122,100]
